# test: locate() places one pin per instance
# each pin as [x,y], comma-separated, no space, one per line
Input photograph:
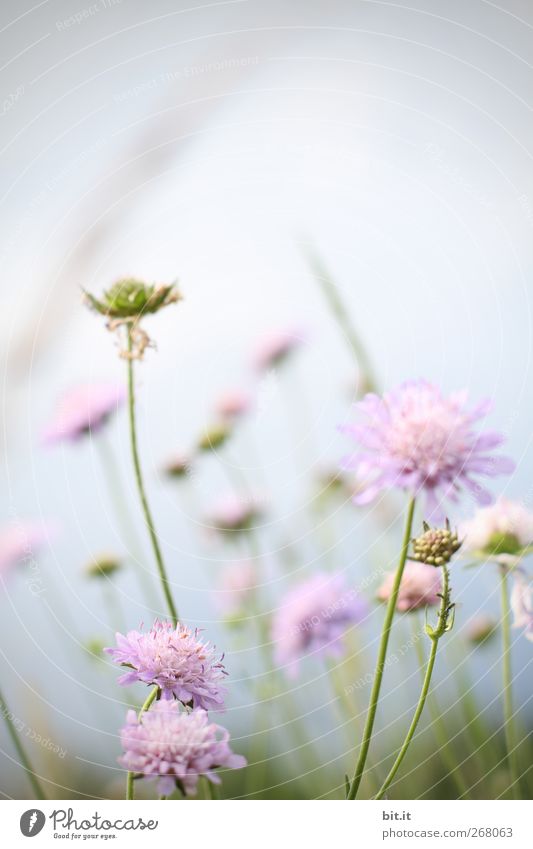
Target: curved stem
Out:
[131,775]
[507,685]
[24,760]
[382,654]
[140,487]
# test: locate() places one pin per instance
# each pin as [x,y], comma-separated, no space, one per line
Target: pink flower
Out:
[504,527]
[420,586]
[420,440]
[313,618]
[522,603]
[236,587]
[176,747]
[21,540]
[274,348]
[232,404]
[84,410]
[235,514]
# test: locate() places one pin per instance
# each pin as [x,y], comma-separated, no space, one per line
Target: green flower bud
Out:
[103,566]
[436,546]
[131,299]
[214,437]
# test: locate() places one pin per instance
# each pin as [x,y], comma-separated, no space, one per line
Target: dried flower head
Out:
[174,659]
[420,586]
[176,747]
[313,618]
[132,299]
[436,546]
[422,441]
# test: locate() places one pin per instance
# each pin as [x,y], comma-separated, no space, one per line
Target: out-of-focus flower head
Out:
[131,298]
[505,527]
[174,659]
[21,540]
[234,515]
[214,436]
[422,441]
[232,404]
[179,466]
[84,410]
[276,347]
[420,586]
[313,618]
[480,628]
[237,587]
[176,747]
[103,566]
[522,603]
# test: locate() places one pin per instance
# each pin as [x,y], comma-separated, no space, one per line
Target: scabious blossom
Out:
[237,586]
[422,441]
[21,540]
[420,586]
[275,348]
[83,410]
[313,618]
[176,747]
[234,514]
[174,659]
[504,527]
[522,603]
[480,628]
[178,466]
[232,404]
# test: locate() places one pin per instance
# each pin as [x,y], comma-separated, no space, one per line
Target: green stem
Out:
[382,654]
[24,760]
[507,685]
[140,486]
[440,630]
[438,726]
[131,775]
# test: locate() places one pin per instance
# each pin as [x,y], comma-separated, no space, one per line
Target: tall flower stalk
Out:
[24,760]
[353,788]
[130,793]
[510,737]
[444,624]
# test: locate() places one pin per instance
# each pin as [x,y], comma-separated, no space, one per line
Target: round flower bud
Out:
[436,546]
[103,566]
[214,437]
[130,298]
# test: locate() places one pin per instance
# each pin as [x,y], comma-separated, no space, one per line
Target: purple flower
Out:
[232,404]
[420,440]
[234,514]
[522,603]
[275,348]
[175,660]
[313,618]
[420,586]
[176,747]
[83,410]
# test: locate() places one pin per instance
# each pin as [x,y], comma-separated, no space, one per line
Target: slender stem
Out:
[142,494]
[382,654]
[507,685]
[24,760]
[438,726]
[131,775]
[439,631]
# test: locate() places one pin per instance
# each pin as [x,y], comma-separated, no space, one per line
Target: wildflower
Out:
[103,566]
[275,348]
[236,587]
[176,747]
[436,546]
[20,541]
[84,410]
[214,437]
[313,618]
[232,404]
[505,527]
[420,440]
[234,514]
[522,603]
[420,586]
[174,659]
[480,628]
[178,466]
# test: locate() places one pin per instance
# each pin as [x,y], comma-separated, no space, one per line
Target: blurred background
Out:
[220,144]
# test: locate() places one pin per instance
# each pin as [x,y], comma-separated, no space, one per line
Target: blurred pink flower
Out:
[422,441]
[313,618]
[21,540]
[522,603]
[175,746]
[275,347]
[83,410]
[232,404]
[236,587]
[235,514]
[504,527]
[420,586]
